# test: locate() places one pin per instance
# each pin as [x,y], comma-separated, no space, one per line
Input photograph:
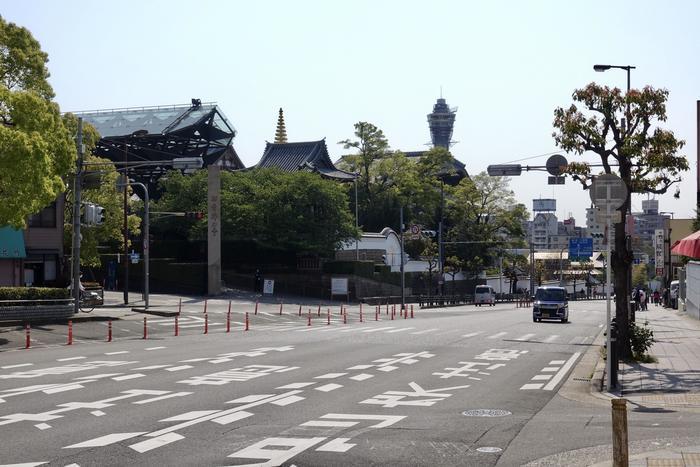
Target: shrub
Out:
[642,338]
[31,293]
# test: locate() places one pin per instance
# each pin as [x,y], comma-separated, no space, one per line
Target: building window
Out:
[46,218]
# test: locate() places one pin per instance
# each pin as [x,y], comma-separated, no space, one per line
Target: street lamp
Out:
[146,236]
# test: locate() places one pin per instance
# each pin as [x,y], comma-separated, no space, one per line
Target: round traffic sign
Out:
[415,229]
[608,189]
[556,164]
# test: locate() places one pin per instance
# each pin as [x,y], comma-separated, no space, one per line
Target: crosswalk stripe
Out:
[399,330]
[379,329]
[525,337]
[551,338]
[497,335]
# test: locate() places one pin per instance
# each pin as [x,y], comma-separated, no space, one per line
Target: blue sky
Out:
[505,64]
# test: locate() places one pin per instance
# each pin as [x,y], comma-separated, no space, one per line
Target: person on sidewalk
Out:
[642,296]
[657,297]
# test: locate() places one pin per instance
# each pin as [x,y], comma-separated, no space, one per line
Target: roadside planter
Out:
[34,303]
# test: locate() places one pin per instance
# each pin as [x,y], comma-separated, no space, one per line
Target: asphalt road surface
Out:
[459,386]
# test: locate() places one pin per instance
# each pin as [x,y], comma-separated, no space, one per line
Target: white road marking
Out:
[526,387]
[525,337]
[117,353]
[178,368]
[551,369]
[425,331]
[497,335]
[360,367]
[551,338]
[43,426]
[557,362]
[188,416]
[7,367]
[329,424]
[329,387]
[70,358]
[577,340]
[351,330]
[127,377]
[98,413]
[379,329]
[558,377]
[151,367]
[105,440]
[295,385]
[337,445]
[399,330]
[541,377]
[361,377]
[250,398]
[288,400]
[154,443]
[472,334]
[387,368]
[331,376]
[232,417]
[155,348]
[160,398]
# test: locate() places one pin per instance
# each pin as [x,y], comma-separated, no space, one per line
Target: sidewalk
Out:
[671,383]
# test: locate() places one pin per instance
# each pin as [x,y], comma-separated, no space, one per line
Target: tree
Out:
[36,150]
[642,154]
[640,275]
[298,211]
[430,255]
[372,146]
[486,217]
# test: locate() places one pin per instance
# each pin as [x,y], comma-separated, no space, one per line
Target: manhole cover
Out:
[486,413]
[489,449]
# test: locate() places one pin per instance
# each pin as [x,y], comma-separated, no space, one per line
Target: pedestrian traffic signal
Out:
[88,214]
[197,215]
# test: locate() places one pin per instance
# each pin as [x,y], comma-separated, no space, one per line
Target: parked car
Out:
[550,303]
[484,294]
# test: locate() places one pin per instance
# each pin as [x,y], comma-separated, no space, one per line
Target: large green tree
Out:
[36,150]
[486,220]
[298,211]
[642,154]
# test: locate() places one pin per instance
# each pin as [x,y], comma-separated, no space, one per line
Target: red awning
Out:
[689,246]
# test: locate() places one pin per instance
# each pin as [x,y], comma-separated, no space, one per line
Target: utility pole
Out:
[403,280]
[76,218]
[126,228]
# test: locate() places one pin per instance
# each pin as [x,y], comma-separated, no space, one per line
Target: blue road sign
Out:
[580,248]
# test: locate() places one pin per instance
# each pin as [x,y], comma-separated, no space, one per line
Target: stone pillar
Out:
[214,230]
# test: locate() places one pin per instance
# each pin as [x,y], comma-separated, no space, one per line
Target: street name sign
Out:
[580,249]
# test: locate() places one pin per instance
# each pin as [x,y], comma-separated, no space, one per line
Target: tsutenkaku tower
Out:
[441,123]
[281,132]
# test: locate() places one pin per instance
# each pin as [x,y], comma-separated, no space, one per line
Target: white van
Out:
[484,294]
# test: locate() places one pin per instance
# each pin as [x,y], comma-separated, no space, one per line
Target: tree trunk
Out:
[621,263]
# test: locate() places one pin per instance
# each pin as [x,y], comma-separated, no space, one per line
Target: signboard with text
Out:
[580,249]
[659,253]
[268,286]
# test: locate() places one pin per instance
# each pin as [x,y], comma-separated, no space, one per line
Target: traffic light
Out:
[88,217]
[99,214]
[197,215]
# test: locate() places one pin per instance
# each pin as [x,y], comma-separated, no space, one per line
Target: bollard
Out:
[256,307]
[247,326]
[392,316]
[345,318]
[179,306]
[70,332]
[299,309]
[26,331]
[328,322]
[280,309]
[145,328]
[319,309]
[177,327]
[206,324]
[229,307]
[228,321]
[387,307]
[309,321]
[376,314]
[109,331]
[205,306]
[360,312]
[619,433]
[405,313]
[411,311]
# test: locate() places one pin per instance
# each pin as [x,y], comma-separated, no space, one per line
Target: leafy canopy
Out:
[36,150]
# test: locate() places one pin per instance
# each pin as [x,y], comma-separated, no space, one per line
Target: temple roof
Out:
[309,155]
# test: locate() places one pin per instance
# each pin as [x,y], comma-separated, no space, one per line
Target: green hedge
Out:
[33,293]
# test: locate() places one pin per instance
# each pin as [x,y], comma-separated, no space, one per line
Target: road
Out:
[458,386]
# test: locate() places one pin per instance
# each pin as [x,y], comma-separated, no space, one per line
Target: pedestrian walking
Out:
[657,297]
[642,300]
